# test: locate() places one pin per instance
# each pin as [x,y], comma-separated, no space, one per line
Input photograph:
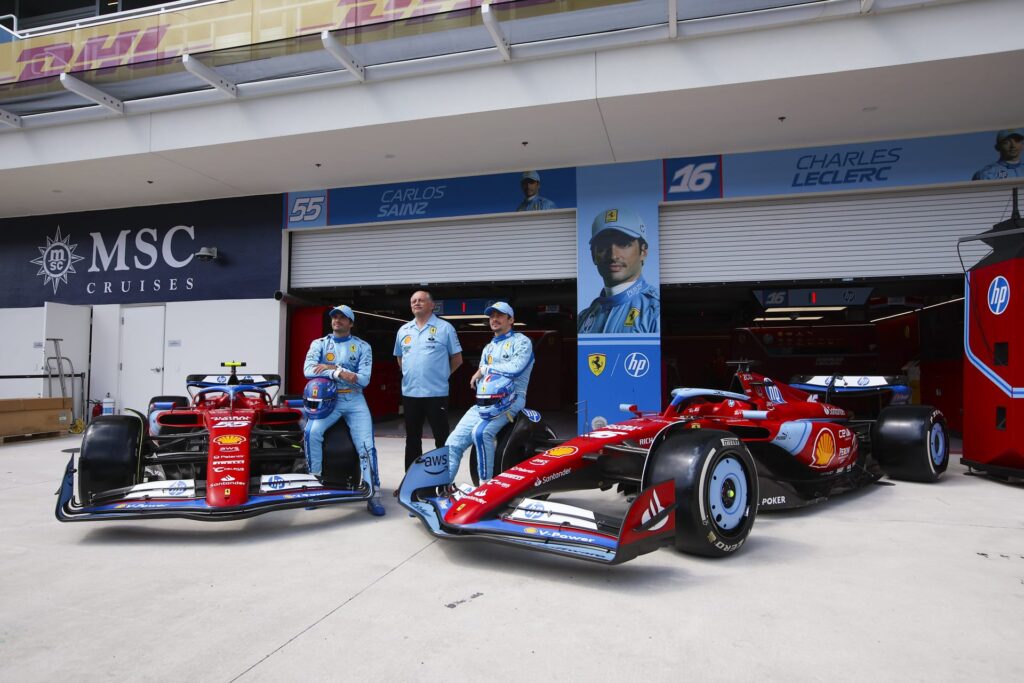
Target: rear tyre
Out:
[716,488]
[110,456]
[911,443]
[515,443]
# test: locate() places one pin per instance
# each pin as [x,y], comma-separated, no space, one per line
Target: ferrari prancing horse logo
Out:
[597,363]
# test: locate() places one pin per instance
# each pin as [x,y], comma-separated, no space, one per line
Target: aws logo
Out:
[824,449]
[229,439]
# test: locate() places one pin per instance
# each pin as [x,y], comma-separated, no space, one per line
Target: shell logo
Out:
[330,356]
[406,340]
[229,439]
[824,449]
[561,451]
[530,530]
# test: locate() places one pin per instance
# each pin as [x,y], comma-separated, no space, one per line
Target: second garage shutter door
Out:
[535,246]
[876,235]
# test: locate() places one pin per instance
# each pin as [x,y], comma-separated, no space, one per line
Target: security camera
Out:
[206,253]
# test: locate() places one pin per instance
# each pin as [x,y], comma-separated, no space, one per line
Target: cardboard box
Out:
[34,415]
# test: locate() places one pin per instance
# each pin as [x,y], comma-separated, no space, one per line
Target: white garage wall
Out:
[199,335]
[22,329]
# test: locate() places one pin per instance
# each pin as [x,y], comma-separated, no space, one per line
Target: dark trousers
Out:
[435,410]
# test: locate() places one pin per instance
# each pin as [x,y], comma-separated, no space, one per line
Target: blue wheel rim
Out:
[728,493]
[937,444]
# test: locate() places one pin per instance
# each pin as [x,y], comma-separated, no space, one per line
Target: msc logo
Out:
[998,294]
[597,362]
[229,439]
[637,364]
[57,260]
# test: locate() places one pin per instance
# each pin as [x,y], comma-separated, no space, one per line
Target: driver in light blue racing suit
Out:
[500,381]
[346,360]
[627,303]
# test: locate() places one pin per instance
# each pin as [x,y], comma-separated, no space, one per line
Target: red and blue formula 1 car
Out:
[225,452]
[700,470]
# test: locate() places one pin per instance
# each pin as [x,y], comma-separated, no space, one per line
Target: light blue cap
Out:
[501,307]
[530,175]
[344,310]
[1003,134]
[625,221]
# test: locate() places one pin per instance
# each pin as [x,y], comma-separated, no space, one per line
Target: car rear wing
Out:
[216,380]
[855,385]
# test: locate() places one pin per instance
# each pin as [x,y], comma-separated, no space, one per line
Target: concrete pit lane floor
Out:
[891,583]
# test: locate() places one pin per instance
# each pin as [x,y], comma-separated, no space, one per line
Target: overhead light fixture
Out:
[918,310]
[788,319]
[378,315]
[805,309]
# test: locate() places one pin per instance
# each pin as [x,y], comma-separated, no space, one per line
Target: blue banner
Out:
[619,321]
[894,163]
[144,254]
[499,193]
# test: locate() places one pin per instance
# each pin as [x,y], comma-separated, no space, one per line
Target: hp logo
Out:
[637,364]
[276,482]
[998,295]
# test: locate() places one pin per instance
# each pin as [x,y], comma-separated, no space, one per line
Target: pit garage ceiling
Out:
[569,109]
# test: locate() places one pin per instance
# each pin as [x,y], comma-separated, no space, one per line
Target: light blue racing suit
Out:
[352,354]
[536,203]
[1000,169]
[637,309]
[511,355]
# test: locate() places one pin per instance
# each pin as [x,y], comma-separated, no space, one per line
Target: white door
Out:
[141,375]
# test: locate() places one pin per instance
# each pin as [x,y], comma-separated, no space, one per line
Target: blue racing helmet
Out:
[494,395]
[318,397]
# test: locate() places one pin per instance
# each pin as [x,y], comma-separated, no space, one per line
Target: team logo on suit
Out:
[597,362]
[632,316]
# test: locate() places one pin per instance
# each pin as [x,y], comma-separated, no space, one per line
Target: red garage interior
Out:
[906,326]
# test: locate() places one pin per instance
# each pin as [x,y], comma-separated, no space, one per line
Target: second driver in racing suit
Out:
[509,354]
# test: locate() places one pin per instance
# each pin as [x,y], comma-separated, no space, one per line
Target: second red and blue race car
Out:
[700,470]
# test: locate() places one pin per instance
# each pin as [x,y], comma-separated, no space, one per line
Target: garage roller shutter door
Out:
[535,246]
[876,235]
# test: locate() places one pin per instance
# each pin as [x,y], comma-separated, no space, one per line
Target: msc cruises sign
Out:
[143,254]
[57,259]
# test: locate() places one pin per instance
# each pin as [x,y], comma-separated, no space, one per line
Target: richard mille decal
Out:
[57,260]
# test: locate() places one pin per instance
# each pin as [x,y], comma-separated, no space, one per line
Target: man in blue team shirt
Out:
[529,182]
[618,247]
[347,360]
[1008,144]
[428,352]
[510,354]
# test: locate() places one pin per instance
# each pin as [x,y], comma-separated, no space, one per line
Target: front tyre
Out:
[716,488]
[911,443]
[111,455]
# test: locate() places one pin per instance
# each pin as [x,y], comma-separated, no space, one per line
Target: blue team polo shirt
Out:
[425,353]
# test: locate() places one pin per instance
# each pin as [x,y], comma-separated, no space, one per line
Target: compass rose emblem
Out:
[56,260]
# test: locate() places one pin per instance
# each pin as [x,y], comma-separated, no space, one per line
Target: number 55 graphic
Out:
[307,209]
